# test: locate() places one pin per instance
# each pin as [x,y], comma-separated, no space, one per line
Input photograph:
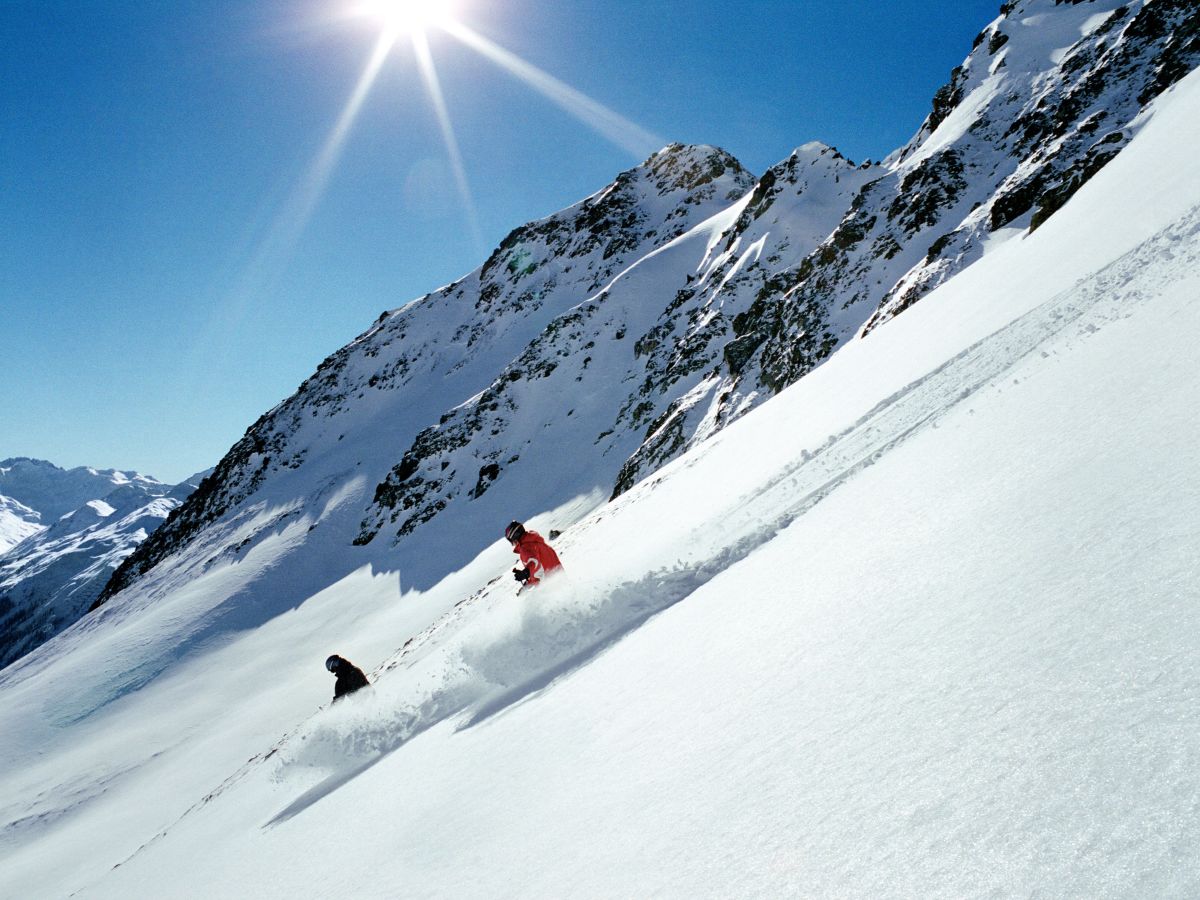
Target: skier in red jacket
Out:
[537,557]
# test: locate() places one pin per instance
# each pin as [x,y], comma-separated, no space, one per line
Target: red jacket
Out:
[536,555]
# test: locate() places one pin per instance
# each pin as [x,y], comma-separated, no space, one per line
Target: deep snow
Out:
[925,624]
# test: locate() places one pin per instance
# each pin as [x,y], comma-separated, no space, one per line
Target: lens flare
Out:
[407,16]
[438,99]
[307,194]
[413,18]
[612,125]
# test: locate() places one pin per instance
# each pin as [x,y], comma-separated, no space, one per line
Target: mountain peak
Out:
[815,149]
[27,461]
[688,167]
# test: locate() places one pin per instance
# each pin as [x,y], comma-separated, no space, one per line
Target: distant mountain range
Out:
[62,533]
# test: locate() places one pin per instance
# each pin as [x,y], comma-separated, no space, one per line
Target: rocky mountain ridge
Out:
[446,347]
[597,344]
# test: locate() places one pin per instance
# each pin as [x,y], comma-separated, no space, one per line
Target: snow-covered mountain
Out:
[34,493]
[599,343]
[925,623]
[70,529]
[473,345]
[17,522]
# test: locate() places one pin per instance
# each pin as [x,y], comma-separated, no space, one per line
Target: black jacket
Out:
[349,679]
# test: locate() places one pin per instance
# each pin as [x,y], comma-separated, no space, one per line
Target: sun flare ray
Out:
[318,174]
[438,99]
[270,255]
[610,124]
[414,18]
[298,209]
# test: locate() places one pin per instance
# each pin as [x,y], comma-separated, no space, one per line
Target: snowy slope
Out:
[926,623]
[17,522]
[80,524]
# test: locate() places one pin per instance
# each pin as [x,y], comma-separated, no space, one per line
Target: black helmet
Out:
[514,532]
[333,663]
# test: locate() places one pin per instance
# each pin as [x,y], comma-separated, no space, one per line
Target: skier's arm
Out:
[533,565]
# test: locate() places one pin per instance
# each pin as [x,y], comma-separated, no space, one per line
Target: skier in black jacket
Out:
[349,676]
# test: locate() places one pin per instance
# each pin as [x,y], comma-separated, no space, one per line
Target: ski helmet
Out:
[333,663]
[514,532]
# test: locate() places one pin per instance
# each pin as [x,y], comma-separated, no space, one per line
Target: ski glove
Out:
[522,575]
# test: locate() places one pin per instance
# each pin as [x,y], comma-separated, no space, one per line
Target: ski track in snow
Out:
[478,672]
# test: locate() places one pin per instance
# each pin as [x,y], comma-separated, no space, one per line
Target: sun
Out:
[408,16]
[407,21]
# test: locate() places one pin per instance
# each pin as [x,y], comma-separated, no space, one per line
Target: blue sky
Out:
[157,290]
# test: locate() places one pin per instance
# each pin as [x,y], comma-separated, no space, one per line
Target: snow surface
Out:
[17,522]
[51,575]
[924,624]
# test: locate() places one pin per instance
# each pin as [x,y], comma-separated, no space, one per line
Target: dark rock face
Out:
[1035,139]
[1008,141]
[949,95]
[1134,56]
[610,337]
[694,354]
